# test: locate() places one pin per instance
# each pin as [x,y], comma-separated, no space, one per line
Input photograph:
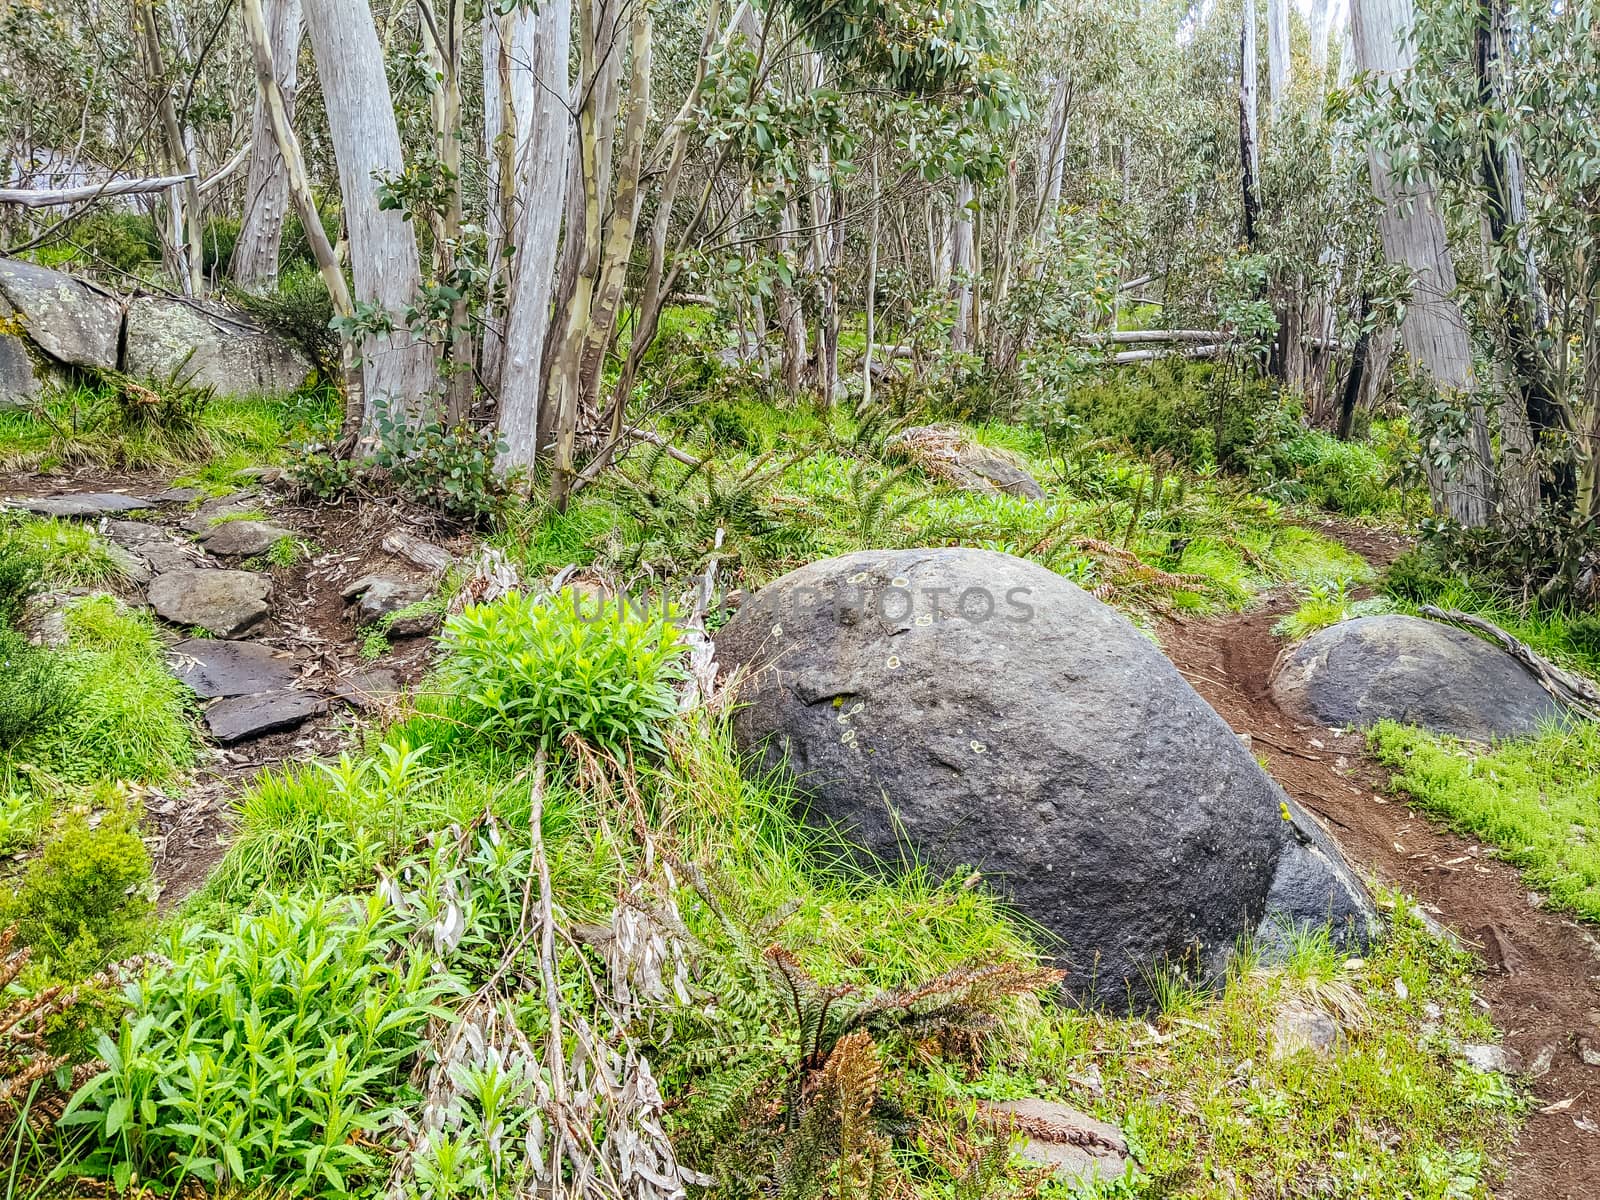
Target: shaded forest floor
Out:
[1539,968]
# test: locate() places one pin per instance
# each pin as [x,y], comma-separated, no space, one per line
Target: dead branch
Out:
[56,197]
[1570,688]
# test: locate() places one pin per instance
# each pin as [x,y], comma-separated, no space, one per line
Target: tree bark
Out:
[187,233]
[540,185]
[1277,57]
[266,194]
[1249,135]
[1434,331]
[397,368]
[961,266]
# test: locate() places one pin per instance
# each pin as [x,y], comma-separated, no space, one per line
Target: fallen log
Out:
[1138,356]
[1572,689]
[55,197]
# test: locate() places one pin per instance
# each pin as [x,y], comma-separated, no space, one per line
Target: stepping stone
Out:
[84,504]
[166,557]
[367,689]
[223,603]
[1081,1148]
[212,668]
[200,520]
[244,717]
[241,539]
[134,533]
[179,495]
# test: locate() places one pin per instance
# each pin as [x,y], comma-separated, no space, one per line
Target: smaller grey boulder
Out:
[210,346]
[213,667]
[244,717]
[132,534]
[1417,672]
[71,321]
[19,382]
[379,596]
[1082,1149]
[165,557]
[368,689]
[949,453]
[85,504]
[1300,1027]
[223,603]
[240,539]
[135,568]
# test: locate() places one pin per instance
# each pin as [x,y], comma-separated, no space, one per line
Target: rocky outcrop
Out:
[73,322]
[980,712]
[223,603]
[209,346]
[50,321]
[949,453]
[1417,672]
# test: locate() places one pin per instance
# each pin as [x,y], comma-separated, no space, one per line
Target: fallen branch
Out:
[1138,356]
[1571,689]
[415,550]
[1124,336]
[55,197]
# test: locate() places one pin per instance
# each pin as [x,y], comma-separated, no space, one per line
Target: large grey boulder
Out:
[209,346]
[1417,672]
[978,711]
[71,321]
[19,380]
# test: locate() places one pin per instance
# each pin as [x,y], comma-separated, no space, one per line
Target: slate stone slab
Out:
[367,689]
[135,568]
[241,539]
[131,534]
[69,320]
[996,717]
[223,603]
[242,718]
[213,667]
[381,596]
[166,557]
[85,504]
[1417,672]
[201,519]
[1081,1148]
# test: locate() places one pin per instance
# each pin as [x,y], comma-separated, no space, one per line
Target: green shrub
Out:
[1343,477]
[1417,576]
[36,690]
[270,1055]
[528,670]
[124,240]
[84,901]
[301,311]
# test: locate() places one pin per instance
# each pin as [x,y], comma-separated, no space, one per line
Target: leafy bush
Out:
[528,670]
[36,690]
[300,311]
[84,901]
[1343,477]
[267,1055]
[1417,575]
[126,241]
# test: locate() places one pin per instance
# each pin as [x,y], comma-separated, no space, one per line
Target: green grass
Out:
[1533,799]
[68,553]
[1324,605]
[131,721]
[80,425]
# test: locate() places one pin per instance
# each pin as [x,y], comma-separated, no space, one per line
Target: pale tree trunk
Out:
[1277,57]
[1249,134]
[397,368]
[444,29]
[872,287]
[298,185]
[187,234]
[1052,161]
[961,266]
[1319,34]
[266,193]
[1434,331]
[507,94]
[542,144]
[791,312]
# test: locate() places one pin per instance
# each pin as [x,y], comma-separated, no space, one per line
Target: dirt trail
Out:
[1541,971]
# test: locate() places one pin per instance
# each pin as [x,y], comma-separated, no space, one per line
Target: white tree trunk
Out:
[266,193]
[1434,332]
[540,78]
[1249,125]
[397,369]
[1319,34]
[961,266]
[1277,57]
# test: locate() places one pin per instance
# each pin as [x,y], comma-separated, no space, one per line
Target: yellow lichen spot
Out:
[900,581]
[924,620]
[978,747]
[838,701]
[1283,811]
[777,631]
[848,736]
[859,577]
[893,662]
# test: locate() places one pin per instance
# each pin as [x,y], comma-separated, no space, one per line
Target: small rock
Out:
[383,596]
[204,518]
[85,504]
[212,667]
[223,603]
[1541,1060]
[243,717]
[1081,1148]
[1300,1027]
[240,539]
[266,475]
[133,567]
[1483,1056]
[179,495]
[1588,1052]
[367,689]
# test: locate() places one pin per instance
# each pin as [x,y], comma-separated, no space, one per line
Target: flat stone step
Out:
[84,504]
[241,539]
[240,718]
[213,668]
[367,689]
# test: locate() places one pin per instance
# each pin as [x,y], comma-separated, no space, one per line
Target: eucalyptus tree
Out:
[266,199]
